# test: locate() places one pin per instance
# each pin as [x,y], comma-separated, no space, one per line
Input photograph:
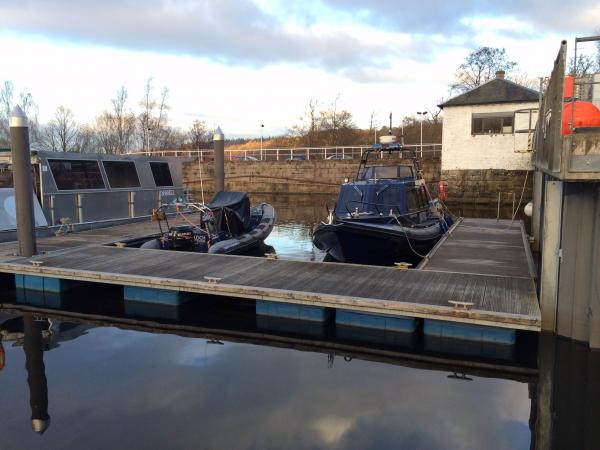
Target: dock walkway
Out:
[501,292]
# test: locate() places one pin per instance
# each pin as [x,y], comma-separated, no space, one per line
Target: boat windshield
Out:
[386,172]
[352,197]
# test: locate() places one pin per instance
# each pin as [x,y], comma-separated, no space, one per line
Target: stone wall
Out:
[472,193]
[285,177]
[481,187]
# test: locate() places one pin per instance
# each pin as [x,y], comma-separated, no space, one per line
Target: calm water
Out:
[110,387]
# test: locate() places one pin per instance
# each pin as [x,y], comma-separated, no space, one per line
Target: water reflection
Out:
[156,390]
[36,374]
[166,391]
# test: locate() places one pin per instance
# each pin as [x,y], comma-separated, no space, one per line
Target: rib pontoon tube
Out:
[252,238]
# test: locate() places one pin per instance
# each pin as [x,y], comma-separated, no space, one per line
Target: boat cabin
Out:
[92,187]
[383,191]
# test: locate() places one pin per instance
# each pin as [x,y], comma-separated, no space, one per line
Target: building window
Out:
[76,174]
[492,123]
[161,174]
[121,174]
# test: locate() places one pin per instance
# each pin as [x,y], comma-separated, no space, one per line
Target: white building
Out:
[490,127]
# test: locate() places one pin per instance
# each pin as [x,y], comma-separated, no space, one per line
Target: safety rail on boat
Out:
[426,151]
[389,207]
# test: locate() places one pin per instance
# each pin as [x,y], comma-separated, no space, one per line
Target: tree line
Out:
[118,129]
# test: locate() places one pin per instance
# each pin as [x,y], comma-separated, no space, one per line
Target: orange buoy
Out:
[586,115]
[442,194]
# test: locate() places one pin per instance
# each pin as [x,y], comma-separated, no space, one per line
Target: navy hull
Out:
[369,243]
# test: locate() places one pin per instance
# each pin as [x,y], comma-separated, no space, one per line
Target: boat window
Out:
[121,174]
[390,198]
[76,174]
[386,172]
[161,174]
[351,197]
[415,200]
[405,171]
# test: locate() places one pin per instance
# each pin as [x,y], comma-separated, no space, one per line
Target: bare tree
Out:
[123,122]
[62,132]
[86,140]
[481,66]
[6,96]
[162,133]
[145,118]
[308,131]
[199,135]
[325,127]
[585,65]
[28,106]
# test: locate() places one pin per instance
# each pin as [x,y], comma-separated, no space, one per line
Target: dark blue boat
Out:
[385,216]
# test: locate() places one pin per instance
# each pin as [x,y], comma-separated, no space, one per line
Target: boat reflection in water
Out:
[564,396]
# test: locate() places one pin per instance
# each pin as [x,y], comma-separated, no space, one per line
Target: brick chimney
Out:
[500,74]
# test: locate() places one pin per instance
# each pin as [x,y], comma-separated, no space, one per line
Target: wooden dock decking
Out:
[501,295]
[484,247]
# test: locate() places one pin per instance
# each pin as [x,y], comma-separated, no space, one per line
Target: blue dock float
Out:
[468,339]
[293,311]
[469,332]
[153,303]
[285,317]
[376,322]
[155,296]
[44,284]
[41,299]
[354,326]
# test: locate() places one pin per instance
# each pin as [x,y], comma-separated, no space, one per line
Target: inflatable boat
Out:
[226,225]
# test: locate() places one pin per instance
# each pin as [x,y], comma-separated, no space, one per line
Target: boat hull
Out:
[244,243]
[364,243]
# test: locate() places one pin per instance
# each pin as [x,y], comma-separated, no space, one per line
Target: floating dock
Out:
[480,274]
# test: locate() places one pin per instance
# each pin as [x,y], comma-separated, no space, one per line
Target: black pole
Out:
[36,374]
[219,146]
[23,183]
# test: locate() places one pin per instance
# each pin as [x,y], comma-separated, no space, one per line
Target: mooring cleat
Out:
[461,305]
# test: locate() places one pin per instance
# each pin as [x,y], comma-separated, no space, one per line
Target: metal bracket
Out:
[212,280]
[461,305]
[461,376]
[403,265]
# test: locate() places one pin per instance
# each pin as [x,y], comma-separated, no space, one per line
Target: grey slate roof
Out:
[497,90]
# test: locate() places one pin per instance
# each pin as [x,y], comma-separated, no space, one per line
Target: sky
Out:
[238,64]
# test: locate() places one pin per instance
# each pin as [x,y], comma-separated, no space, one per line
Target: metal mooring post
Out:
[219,145]
[21,162]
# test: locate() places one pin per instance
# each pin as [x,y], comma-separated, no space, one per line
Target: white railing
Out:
[426,151]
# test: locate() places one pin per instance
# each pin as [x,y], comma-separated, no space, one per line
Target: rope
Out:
[407,238]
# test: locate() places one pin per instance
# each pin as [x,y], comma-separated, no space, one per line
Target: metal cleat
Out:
[461,305]
[212,280]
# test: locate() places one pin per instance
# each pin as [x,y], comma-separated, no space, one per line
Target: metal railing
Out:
[426,151]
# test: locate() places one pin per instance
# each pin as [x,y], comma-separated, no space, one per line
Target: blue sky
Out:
[238,64]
